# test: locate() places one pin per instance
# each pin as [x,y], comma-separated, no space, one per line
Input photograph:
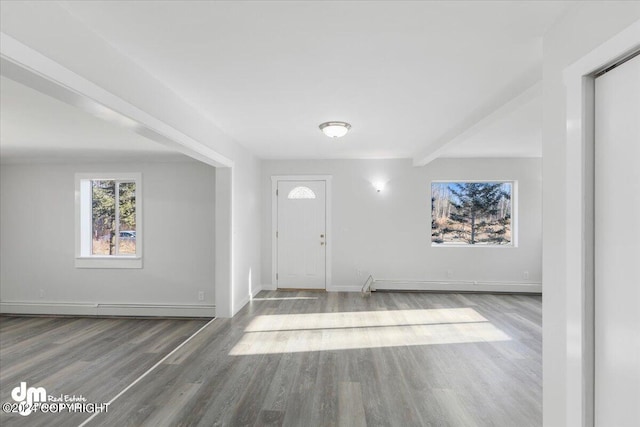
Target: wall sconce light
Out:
[379,185]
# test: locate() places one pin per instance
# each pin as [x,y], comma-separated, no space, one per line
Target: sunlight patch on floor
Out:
[361,319]
[283,298]
[359,330]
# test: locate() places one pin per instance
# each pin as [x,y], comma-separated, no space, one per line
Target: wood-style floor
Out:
[95,358]
[295,359]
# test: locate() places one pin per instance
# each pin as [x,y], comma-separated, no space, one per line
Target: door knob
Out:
[321,243]
[322,235]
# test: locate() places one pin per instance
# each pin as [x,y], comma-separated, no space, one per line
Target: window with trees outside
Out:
[108,220]
[472,213]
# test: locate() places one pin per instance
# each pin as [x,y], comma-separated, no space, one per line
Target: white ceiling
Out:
[402,73]
[34,125]
[516,134]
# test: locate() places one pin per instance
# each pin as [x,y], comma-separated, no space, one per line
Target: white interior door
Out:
[301,234]
[617,246]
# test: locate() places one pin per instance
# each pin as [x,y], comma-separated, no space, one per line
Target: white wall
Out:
[388,234]
[580,30]
[38,237]
[50,30]
[246,222]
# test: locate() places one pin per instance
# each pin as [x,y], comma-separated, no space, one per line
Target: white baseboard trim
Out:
[71,309]
[452,286]
[350,288]
[237,307]
[436,286]
[156,310]
[257,290]
[246,299]
[344,288]
[91,309]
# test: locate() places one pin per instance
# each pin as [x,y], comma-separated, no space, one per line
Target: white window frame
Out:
[514,213]
[84,258]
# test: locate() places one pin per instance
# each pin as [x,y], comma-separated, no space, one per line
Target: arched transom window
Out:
[301,193]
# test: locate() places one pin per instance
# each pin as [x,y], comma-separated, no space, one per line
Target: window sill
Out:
[108,262]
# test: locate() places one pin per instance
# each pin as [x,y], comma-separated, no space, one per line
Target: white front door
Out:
[301,234]
[617,246]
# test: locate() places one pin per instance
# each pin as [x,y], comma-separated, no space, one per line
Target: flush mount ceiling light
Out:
[335,129]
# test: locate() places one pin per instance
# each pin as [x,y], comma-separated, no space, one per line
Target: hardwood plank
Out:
[350,405]
[92,357]
[298,358]
[173,413]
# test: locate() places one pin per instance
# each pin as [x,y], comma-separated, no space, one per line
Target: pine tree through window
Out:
[113,217]
[108,220]
[471,213]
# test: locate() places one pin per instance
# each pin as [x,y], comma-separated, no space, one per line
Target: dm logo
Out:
[27,397]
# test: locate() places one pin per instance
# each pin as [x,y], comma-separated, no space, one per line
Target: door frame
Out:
[579,79]
[274,223]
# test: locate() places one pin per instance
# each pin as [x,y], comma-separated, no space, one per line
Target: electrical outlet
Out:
[42,293]
[449,274]
[525,275]
[200,295]
[359,273]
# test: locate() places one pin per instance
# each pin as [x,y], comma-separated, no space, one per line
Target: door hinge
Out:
[276,234]
[276,276]
[276,191]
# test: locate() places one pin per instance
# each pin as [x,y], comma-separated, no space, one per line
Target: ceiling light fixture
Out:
[335,129]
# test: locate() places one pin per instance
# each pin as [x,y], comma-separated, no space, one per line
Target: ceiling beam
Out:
[20,63]
[477,123]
